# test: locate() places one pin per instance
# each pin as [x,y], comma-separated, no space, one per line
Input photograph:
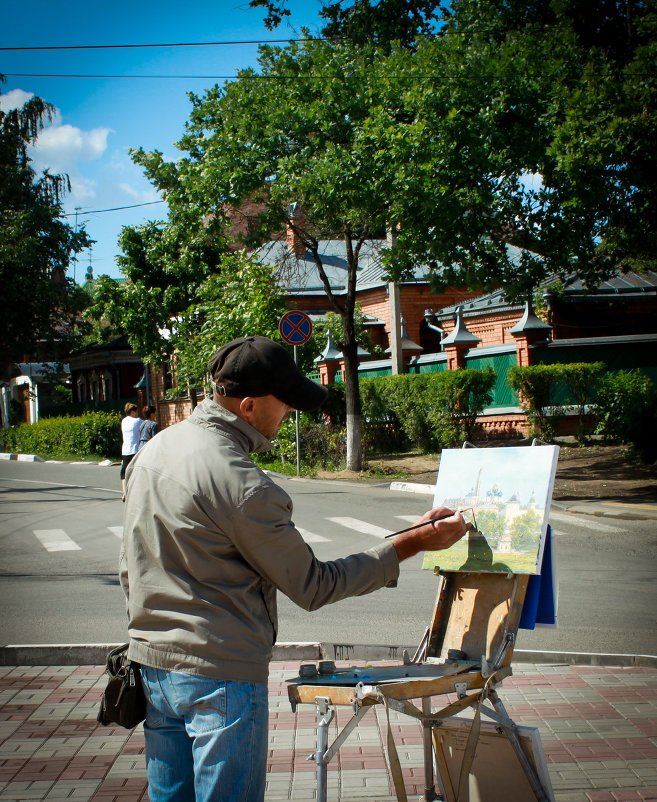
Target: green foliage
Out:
[39,304]
[523,530]
[581,379]
[334,323]
[96,434]
[62,395]
[536,385]
[563,92]
[334,409]
[544,389]
[322,446]
[626,411]
[491,524]
[365,22]
[243,299]
[433,410]
[382,430]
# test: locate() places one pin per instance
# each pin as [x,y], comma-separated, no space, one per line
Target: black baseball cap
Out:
[257,366]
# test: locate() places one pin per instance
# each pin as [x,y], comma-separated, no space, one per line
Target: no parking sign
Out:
[295,328]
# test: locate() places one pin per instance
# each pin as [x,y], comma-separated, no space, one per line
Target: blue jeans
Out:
[206,740]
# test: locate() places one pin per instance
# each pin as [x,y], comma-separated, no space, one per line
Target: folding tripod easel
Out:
[466,652]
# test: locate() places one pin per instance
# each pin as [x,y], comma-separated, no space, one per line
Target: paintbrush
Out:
[419,526]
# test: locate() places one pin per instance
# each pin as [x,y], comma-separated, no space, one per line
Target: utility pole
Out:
[75,255]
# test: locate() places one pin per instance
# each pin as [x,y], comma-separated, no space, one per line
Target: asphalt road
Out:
[60,528]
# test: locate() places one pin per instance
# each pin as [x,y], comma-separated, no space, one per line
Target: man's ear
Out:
[247,407]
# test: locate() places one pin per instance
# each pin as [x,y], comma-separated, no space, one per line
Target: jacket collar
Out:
[212,415]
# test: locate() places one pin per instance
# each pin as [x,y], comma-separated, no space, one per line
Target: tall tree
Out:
[303,134]
[39,302]
[561,92]
[184,293]
[364,22]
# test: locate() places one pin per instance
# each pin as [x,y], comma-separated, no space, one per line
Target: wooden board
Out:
[496,774]
[403,689]
[473,614]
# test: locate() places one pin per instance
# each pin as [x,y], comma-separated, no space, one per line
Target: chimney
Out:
[296,220]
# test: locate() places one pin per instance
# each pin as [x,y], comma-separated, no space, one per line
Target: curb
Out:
[21,457]
[63,654]
[600,509]
[4,455]
[410,487]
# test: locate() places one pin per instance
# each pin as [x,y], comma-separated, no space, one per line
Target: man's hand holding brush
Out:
[437,529]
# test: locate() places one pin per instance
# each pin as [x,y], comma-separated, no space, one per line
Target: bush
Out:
[626,412]
[96,434]
[322,445]
[537,385]
[432,410]
[581,379]
[382,431]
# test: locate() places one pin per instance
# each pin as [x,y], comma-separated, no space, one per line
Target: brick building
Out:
[105,372]
[300,280]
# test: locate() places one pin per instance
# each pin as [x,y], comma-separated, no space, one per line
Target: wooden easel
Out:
[466,651]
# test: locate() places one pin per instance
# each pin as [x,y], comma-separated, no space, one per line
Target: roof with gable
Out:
[299,274]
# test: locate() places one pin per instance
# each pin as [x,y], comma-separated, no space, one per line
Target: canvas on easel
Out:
[496,774]
[508,491]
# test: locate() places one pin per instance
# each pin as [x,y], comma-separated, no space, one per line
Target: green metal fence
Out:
[500,359]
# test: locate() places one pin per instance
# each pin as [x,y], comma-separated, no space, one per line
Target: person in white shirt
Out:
[130,432]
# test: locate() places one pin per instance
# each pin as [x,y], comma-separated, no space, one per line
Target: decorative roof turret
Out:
[330,352]
[530,322]
[460,335]
[406,343]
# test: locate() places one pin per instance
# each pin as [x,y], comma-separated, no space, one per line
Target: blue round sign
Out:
[295,328]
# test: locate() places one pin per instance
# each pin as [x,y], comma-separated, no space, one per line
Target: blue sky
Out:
[99,119]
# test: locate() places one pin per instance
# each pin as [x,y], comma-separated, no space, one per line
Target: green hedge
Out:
[96,434]
[545,389]
[429,410]
[626,412]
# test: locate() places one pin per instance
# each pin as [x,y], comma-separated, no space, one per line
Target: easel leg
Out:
[429,780]
[537,788]
[324,718]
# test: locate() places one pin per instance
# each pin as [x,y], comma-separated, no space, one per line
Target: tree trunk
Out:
[354,416]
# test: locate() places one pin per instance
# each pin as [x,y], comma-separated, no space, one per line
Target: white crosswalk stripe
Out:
[311,537]
[411,519]
[362,526]
[56,540]
[116,530]
[581,521]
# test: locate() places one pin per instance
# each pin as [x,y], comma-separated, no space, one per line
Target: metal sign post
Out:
[296,328]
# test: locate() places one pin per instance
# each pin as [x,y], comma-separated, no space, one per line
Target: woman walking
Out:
[130,432]
[148,427]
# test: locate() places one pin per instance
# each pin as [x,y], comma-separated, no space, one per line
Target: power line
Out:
[114,209]
[167,44]
[184,77]
[252,76]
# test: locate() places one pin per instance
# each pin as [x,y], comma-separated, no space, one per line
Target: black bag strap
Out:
[116,659]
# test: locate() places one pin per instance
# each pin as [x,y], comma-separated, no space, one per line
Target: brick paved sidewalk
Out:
[598,727]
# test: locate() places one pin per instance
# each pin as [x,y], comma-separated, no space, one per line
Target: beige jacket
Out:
[208,538]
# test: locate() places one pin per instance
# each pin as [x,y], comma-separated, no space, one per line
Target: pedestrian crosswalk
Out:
[58,540]
[55,540]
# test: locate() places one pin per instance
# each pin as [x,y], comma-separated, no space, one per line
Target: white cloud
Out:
[82,189]
[60,147]
[14,99]
[139,195]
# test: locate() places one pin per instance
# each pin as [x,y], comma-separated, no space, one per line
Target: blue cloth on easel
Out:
[540,607]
